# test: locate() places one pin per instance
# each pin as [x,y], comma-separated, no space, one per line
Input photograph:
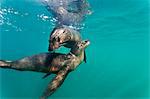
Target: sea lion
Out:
[63,35]
[60,64]
[77,56]
[68,12]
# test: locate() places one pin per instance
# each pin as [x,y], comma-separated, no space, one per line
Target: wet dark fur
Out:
[60,64]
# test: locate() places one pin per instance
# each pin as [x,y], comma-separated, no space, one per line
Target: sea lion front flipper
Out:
[84,56]
[56,82]
[52,70]
[46,75]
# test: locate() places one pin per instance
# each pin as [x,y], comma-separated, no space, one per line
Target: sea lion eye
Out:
[64,31]
[81,45]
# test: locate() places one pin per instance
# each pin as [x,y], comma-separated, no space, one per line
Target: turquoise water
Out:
[117,59]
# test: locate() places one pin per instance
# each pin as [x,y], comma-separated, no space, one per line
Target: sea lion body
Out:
[44,62]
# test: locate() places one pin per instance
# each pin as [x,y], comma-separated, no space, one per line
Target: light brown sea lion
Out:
[63,36]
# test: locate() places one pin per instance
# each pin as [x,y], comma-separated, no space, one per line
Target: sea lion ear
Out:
[84,56]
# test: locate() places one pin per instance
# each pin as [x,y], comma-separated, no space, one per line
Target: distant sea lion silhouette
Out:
[57,63]
[68,12]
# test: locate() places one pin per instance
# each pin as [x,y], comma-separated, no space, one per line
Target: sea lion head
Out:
[59,37]
[79,47]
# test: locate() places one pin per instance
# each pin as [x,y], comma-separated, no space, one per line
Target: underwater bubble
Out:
[26,14]
[6,20]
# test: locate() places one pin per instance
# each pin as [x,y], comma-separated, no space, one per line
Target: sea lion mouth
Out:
[62,44]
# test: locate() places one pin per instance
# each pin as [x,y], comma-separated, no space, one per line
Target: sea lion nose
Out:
[87,41]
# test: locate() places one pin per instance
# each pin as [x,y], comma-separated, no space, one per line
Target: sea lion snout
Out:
[87,42]
[83,44]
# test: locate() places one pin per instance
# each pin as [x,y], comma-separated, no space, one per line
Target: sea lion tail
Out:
[5,64]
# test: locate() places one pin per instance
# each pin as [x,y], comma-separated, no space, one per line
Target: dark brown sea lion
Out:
[60,64]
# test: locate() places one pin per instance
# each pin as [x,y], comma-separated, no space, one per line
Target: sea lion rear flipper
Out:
[56,82]
[46,75]
[84,56]
[5,64]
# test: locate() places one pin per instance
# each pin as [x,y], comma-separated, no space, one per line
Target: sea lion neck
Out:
[77,52]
